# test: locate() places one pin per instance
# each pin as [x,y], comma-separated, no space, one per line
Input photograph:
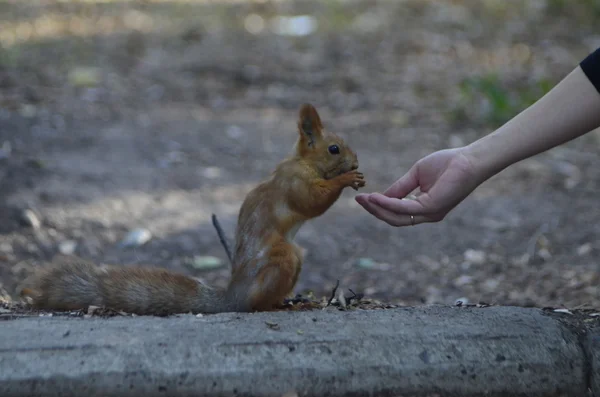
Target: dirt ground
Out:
[123,115]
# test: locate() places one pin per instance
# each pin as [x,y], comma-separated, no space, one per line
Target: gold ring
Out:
[412,220]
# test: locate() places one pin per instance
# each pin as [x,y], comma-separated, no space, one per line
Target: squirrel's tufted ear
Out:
[309,125]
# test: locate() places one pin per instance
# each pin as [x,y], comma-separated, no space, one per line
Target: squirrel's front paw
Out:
[354,179]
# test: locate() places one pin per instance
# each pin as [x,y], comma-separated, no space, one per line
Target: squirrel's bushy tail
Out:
[68,286]
[140,290]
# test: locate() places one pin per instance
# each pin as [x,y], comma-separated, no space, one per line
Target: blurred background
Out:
[125,124]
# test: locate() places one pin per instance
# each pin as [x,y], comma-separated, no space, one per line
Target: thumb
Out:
[403,186]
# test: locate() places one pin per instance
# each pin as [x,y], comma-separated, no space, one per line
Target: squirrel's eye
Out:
[334,149]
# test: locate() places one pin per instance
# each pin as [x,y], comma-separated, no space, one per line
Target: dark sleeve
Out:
[591,67]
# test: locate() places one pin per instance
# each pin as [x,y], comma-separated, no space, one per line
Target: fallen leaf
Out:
[366,263]
[271,325]
[84,76]
[566,311]
[92,309]
[205,262]
[29,218]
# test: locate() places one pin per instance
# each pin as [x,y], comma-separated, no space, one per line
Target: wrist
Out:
[569,110]
[485,157]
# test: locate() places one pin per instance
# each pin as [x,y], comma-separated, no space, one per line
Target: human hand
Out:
[444,178]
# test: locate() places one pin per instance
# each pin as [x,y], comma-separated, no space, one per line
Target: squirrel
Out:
[265,265]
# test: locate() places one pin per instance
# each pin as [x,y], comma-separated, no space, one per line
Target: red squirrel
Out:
[266,262]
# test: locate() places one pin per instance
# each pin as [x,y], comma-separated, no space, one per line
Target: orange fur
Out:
[266,263]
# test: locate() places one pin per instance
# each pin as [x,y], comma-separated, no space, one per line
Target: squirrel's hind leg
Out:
[277,278]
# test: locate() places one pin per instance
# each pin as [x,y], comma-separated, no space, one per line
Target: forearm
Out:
[569,110]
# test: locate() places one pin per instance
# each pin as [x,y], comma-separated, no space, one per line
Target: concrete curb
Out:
[441,351]
[592,349]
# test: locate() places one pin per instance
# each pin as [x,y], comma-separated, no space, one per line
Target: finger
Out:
[392,218]
[398,206]
[362,198]
[403,186]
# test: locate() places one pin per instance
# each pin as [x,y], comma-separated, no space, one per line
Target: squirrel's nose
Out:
[355,165]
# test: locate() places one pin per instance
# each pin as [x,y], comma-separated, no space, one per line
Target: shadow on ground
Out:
[156,116]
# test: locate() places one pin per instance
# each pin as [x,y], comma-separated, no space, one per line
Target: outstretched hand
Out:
[444,178]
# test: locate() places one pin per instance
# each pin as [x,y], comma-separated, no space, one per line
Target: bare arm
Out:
[446,177]
[569,110]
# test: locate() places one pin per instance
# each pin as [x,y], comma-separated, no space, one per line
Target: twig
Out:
[333,292]
[356,296]
[222,238]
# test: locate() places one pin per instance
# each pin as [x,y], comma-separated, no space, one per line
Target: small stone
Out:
[136,238]
[5,150]
[584,249]
[6,248]
[211,172]
[234,132]
[32,248]
[475,257]
[545,254]
[254,23]
[199,315]
[299,25]
[29,218]
[67,247]
[463,280]
[28,111]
